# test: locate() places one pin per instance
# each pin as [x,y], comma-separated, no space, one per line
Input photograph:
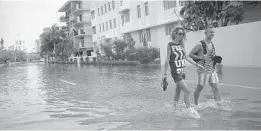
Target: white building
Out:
[19,45]
[105,22]
[78,17]
[149,21]
[37,47]
[94,23]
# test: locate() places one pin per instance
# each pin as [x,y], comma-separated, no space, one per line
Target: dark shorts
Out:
[178,77]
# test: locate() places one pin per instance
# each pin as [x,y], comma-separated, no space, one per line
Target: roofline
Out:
[64,5]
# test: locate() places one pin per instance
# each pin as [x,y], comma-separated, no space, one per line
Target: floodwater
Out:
[54,96]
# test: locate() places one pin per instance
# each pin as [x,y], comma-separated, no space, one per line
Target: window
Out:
[106,25]
[146,6]
[182,3]
[138,11]
[93,14]
[140,36]
[110,24]
[109,6]
[169,27]
[126,37]
[114,21]
[98,11]
[169,4]
[122,19]
[103,27]
[100,27]
[148,34]
[113,5]
[121,2]
[101,10]
[105,8]
[94,30]
[125,17]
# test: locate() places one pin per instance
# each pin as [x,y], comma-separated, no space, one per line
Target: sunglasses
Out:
[181,34]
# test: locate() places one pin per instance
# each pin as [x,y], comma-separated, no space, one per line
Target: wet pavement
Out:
[54,96]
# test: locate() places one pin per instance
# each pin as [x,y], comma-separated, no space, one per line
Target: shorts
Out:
[205,78]
[178,77]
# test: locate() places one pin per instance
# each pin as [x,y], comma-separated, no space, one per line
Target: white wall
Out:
[157,15]
[238,45]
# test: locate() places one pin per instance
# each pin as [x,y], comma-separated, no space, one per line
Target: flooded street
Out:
[53,96]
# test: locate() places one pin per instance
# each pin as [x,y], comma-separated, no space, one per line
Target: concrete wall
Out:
[238,45]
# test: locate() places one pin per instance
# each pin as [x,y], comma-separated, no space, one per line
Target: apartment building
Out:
[105,22]
[148,22]
[78,18]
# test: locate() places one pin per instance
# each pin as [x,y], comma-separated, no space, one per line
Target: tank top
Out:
[177,58]
[208,64]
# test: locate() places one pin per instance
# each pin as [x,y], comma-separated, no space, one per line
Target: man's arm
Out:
[193,62]
[194,51]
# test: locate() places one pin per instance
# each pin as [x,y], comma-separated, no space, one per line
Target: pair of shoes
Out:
[164,84]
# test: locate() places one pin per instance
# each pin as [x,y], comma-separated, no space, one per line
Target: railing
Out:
[65,28]
[81,19]
[64,18]
[84,31]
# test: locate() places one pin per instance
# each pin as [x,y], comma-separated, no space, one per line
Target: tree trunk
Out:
[226,22]
[54,48]
[221,22]
[205,21]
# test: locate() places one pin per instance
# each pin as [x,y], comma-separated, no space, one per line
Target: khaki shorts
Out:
[205,78]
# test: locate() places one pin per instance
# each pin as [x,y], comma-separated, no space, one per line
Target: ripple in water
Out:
[182,111]
[225,104]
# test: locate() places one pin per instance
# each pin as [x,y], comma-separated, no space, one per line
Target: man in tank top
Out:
[208,75]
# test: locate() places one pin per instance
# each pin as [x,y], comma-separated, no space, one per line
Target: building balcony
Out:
[82,32]
[66,28]
[66,6]
[81,20]
[64,18]
[124,6]
[79,8]
[85,45]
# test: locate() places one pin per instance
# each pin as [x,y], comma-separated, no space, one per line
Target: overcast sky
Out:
[27,18]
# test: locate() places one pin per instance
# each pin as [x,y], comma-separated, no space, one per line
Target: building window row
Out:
[106,8]
[146,10]
[169,4]
[107,25]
